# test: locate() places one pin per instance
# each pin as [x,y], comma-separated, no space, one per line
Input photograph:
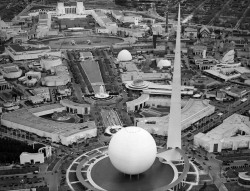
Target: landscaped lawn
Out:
[235,187]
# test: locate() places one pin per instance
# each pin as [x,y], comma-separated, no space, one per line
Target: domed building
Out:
[137,84]
[132,150]
[164,63]
[124,56]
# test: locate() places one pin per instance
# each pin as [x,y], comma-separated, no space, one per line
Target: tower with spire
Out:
[174,130]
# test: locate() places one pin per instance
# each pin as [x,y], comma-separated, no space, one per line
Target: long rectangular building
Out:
[31,120]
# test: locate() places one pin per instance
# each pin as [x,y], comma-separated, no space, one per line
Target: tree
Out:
[121,2]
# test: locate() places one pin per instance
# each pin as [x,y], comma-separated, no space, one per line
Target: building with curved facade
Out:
[138,103]
[48,62]
[244,179]
[233,133]
[156,89]
[31,120]
[11,71]
[193,111]
[74,107]
[61,77]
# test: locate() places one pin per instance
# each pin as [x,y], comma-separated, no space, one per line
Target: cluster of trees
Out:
[76,73]
[10,150]
[85,78]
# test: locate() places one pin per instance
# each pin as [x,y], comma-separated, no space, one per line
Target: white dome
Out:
[124,56]
[132,150]
[164,63]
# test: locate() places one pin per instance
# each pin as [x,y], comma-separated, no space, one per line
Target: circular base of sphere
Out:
[106,176]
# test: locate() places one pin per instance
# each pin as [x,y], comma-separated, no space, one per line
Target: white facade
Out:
[42,92]
[11,72]
[60,78]
[124,56]
[66,133]
[24,54]
[73,107]
[36,99]
[233,133]
[31,158]
[33,74]
[47,62]
[137,103]
[77,8]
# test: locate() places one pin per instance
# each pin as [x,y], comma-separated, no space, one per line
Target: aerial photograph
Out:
[124,95]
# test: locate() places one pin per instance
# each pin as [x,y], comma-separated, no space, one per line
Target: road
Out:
[53,177]
[219,12]
[242,17]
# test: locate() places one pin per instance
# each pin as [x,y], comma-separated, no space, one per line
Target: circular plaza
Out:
[93,170]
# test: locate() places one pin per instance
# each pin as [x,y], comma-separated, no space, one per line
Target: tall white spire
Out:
[174,130]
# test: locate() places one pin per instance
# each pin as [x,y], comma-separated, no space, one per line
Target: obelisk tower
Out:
[174,130]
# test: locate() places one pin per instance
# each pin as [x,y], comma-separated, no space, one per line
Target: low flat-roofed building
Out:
[138,103]
[42,92]
[193,111]
[157,89]
[237,91]
[203,82]
[86,55]
[128,76]
[31,158]
[83,109]
[29,51]
[11,71]
[36,99]
[61,77]
[233,133]
[48,62]
[224,73]
[33,74]
[4,85]
[30,120]
[190,32]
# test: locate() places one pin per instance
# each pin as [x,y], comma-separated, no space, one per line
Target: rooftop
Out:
[27,117]
[228,129]
[19,48]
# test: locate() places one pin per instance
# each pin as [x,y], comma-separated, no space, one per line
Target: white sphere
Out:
[132,150]
[124,56]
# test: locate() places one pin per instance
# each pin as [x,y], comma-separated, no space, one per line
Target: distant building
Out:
[11,71]
[233,133]
[237,91]
[48,62]
[4,85]
[29,51]
[205,32]
[32,74]
[31,158]
[61,76]
[190,32]
[36,99]
[70,8]
[31,120]
[202,82]
[42,92]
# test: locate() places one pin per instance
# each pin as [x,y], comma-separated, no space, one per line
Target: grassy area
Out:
[18,171]
[235,187]
[10,150]
[211,187]
[233,173]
